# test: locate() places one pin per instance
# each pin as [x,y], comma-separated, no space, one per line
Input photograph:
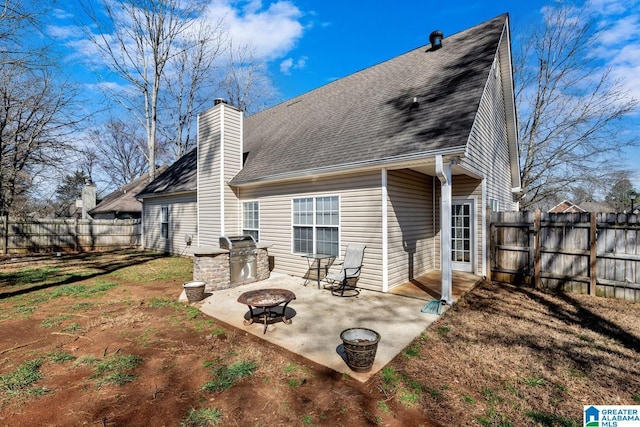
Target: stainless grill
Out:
[242,257]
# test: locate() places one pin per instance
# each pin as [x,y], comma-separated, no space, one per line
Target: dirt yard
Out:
[101,340]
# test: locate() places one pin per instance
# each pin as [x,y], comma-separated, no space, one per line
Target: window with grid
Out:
[316,225]
[164,212]
[461,233]
[251,219]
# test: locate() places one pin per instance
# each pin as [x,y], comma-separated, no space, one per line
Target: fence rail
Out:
[60,235]
[595,253]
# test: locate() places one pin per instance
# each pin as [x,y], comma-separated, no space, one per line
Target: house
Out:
[567,206]
[404,156]
[122,203]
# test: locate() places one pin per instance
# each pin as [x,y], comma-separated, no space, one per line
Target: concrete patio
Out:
[318,317]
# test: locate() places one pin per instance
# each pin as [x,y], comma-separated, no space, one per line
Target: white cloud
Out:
[63,32]
[271,32]
[609,7]
[62,14]
[288,64]
[285,66]
[620,30]
[618,43]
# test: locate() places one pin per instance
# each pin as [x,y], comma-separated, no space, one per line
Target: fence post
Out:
[76,237]
[593,255]
[5,234]
[536,250]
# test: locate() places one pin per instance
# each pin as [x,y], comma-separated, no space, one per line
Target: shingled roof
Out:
[366,118]
[370,116]
[178,178]
[123,200]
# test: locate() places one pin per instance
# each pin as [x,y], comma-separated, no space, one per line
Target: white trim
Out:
[242,212]
[314,225]
[222,206]
[142,215]
[485,252]
[385,231]
[473,235]
[396,162]
[443,172]
[197,180]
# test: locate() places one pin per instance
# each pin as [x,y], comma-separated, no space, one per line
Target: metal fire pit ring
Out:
[267,300]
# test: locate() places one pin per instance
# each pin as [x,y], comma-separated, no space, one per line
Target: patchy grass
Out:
[226,376]
[501,356]
[202,418]
[510,356]
[171,268]
[116,369]
[21,381]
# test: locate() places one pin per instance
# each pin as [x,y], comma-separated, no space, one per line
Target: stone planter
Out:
[360,345]
[194,291]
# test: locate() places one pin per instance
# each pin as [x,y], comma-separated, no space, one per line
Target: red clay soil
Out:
[179,348]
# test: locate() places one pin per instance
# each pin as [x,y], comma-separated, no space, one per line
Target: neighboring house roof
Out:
[370,116]
[566,207]
[124,198]
[180,177]
[569,207]
[596,207]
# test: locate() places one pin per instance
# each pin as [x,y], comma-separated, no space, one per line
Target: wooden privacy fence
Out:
[594,253]
[60,235]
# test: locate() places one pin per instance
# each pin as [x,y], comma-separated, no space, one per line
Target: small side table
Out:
[267,300]
[316,258]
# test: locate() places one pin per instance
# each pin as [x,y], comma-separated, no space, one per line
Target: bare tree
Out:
[246,82]
[120,149]
[36,119]
[569,109]
[139,38]
[190,83]
[17,18]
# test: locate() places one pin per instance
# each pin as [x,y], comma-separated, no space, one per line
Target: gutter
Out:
[141,197]
[415,159]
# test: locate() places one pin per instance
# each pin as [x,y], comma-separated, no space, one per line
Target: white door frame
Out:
[473,243]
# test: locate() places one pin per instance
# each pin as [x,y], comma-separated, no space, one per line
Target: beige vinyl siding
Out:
[488,149]
[220,137]
[410,225]
[360,220]
[182,221]
[209,158]
[232,165]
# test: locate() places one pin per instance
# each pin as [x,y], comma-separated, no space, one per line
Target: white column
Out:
[385,231]
[443,171]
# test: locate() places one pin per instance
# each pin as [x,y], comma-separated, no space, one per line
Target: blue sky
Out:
[308,43]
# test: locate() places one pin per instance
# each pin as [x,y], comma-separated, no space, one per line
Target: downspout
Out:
[485,252]
[385,231]
[443,172]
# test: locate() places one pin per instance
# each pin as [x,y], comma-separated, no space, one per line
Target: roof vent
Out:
[435,38]
[219,101]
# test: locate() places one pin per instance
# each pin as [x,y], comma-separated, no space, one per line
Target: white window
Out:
[494,205]
[251,219]
[316,225]
[164,212]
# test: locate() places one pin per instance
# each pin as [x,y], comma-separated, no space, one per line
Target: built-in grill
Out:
[242,257]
